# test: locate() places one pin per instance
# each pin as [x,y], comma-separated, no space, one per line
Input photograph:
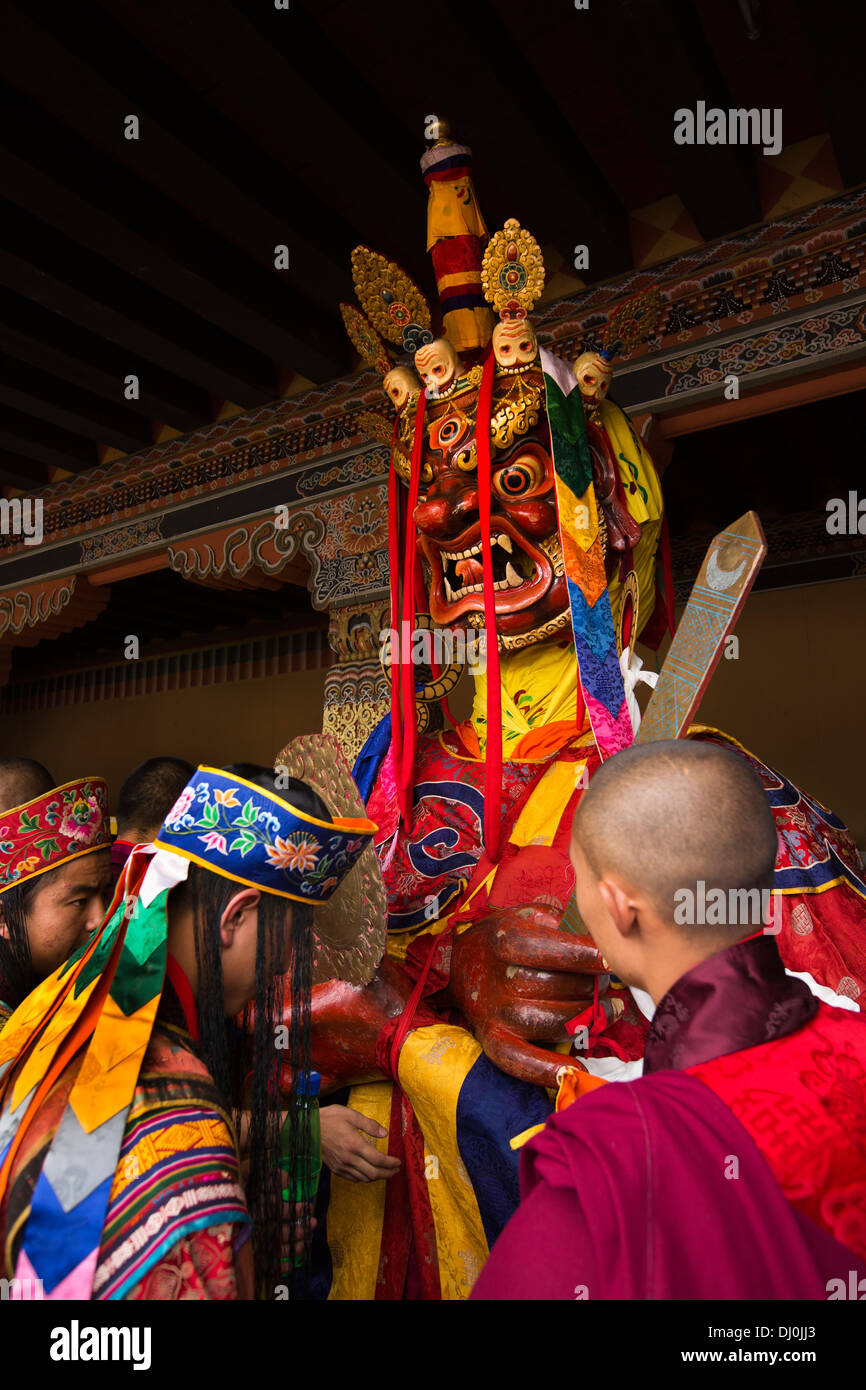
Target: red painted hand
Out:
[347,1020]
[518,978]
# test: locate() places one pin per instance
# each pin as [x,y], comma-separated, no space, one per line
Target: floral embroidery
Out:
[258,838]
[214,841]
[80,821]
[52,828]
[180,807]
[293,853]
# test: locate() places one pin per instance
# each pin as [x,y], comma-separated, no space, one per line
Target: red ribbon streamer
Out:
[394,566]
[493,759]
[404,773]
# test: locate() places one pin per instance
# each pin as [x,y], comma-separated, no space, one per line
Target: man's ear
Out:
[234,912]
[4,930]
[619,903]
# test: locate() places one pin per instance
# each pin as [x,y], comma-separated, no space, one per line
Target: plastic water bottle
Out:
[308,1168]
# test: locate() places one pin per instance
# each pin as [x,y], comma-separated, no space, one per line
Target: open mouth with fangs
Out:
[521,574]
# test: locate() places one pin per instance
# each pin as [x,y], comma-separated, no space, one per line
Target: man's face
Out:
[67,907]
[239,935]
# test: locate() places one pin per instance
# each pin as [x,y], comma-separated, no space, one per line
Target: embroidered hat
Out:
[350,930]
[256,837]
[49,830]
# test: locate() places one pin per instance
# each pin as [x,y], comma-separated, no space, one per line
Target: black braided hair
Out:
[17,975]
[225,1048]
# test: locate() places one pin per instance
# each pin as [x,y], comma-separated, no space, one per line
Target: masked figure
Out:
[533,521]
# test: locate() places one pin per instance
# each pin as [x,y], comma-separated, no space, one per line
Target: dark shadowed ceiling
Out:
[260,127]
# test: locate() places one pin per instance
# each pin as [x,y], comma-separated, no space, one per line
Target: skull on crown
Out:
[593,372]
[399,384]
[515,345]
[438,366]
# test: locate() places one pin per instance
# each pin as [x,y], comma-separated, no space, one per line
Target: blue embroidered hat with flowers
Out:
[257,838]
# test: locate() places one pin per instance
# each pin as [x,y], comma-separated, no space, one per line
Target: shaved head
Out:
[670,815]
[21,780]
[148,795]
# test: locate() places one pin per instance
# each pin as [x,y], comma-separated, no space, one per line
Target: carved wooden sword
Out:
[723,584]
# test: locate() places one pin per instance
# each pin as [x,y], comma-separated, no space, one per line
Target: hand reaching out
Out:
[347,1152]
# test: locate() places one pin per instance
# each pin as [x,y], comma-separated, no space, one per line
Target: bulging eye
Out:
[518,478]
[525,345]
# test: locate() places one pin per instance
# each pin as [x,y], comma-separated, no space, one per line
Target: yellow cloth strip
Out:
[539,687]
[467,329]
[434,1063]
[109,1072]
[356,1209]
[636,466]
[459,277]
[39,1060]
[524,1137]
[453,210]
[539,820]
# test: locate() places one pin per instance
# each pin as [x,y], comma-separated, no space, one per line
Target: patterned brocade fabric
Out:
[202,1267]
[176,1208]
[802,1099]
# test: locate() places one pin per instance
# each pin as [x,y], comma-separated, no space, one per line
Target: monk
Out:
[735,1166]
[21,779]
[144,801]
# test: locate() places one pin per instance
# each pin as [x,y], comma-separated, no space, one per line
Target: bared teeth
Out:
[512,579]
[469,554]
[475,550]
[452,597]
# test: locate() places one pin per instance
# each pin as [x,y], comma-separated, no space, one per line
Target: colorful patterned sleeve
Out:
[176,1210]
[202,1266]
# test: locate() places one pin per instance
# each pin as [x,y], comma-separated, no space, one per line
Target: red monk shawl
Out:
[742,1177]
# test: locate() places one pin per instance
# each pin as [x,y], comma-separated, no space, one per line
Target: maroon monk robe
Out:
[629,1193]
